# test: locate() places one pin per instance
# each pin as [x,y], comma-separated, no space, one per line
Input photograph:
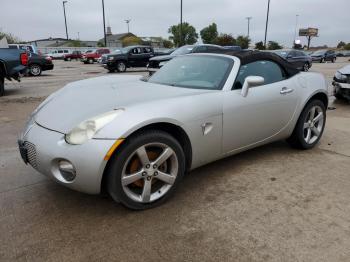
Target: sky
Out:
[37,19]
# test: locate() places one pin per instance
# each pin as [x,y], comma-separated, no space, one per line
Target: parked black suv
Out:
[157,62]
[323,56]
[132,56]
[298,58]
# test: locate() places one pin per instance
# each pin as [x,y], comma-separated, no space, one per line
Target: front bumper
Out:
[342,89]
[43,149]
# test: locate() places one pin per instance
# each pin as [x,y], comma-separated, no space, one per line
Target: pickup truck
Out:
[13,64]
[90,58]
[132,56]
[74,55]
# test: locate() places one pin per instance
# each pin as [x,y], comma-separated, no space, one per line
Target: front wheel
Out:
[35,70]
[121,66]
[146,170]
[2,86]
[310,126]
[306,67]
[91,61]
[333,60]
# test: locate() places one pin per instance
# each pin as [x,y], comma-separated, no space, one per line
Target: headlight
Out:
[87,129]
[340,76]
[111,58]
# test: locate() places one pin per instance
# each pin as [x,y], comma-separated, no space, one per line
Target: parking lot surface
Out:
[272,203]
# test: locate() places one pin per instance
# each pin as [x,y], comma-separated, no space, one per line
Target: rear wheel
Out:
[310,126]
[306,67]
[121,66]
[35,70]
[2,86]
[322,60]
[333,60]
[91,61]
[146,170]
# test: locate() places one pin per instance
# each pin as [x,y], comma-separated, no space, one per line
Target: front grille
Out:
[31,154]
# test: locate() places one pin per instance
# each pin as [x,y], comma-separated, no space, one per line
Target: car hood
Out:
[162,58]
[82,100]
[345,70]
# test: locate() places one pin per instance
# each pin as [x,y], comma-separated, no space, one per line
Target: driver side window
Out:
[269,70]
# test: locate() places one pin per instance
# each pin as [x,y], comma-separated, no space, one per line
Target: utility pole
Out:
[296,28]
[181,23]
[267,21]
[65,19]
[127,21]
[104,22]
[248,18]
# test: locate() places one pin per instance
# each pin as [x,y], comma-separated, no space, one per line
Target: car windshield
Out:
[88,51]
[118,51]
[198,72]
[183,50]
[319,52]
[281,53]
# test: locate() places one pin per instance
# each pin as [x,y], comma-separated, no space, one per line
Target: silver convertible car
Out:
[135,138]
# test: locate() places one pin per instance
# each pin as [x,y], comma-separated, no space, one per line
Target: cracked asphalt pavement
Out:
[273,203]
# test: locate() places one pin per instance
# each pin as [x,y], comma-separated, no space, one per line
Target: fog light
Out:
[67,170]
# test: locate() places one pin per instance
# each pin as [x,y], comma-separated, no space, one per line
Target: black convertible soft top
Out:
[249,56]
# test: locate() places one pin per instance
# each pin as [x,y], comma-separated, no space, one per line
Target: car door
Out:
[294,59]
[147,54]
[264,112]
[135,57]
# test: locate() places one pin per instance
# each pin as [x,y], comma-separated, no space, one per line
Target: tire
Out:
[69,59]
[314,130]
[121,66]
[35,70]
[333,60]
[2,86]
[127,161]
[322,60]
[306,67]
[91,61]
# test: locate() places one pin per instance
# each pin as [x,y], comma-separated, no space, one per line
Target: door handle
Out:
[286,90]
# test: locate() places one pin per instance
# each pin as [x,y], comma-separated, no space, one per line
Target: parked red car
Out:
[90,58]
[74,55]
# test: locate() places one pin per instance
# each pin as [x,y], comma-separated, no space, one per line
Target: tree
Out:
[168,43]
[131,40]
[101,43]
[225,40]
[209,34]
[347,46]
[260,45]
[273,45]
[243,41]
[11,39]
[341,44]
[189,34]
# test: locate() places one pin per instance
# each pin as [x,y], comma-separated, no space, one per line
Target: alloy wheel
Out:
[306,67]
[313,125]
[121,67]
[149,172]
[35,70]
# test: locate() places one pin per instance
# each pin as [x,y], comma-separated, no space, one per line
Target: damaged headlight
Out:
[88,128]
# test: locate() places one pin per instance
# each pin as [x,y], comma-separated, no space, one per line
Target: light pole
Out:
[104,22]
[65,19]
[181,23]
[296,28]
[127,21]
[249,18]
[267,21]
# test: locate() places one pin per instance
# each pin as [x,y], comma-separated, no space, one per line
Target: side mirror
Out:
[251,81]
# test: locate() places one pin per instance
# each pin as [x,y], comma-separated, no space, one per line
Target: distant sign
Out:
[308,32]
